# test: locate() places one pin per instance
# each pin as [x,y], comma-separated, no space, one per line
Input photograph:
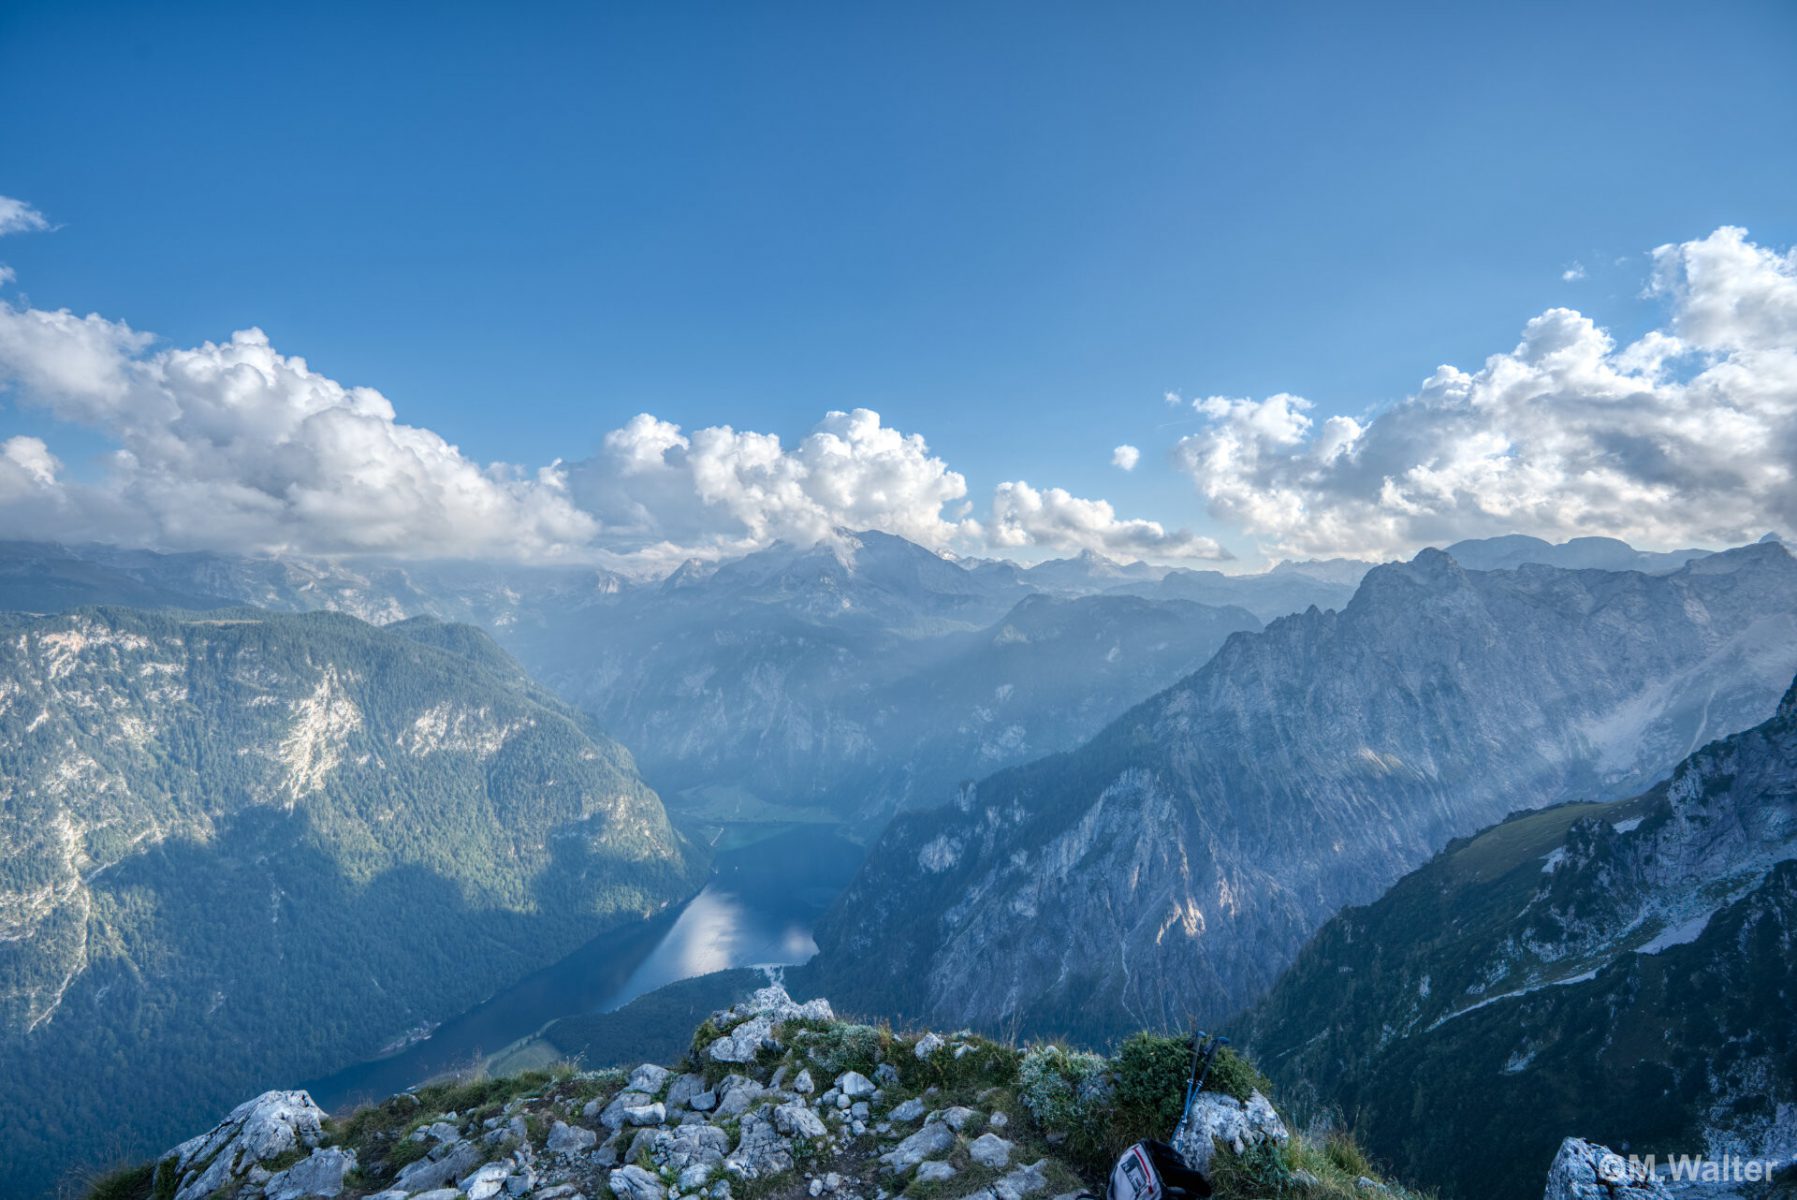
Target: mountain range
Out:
[1175,863]
[254,805]
[787,682]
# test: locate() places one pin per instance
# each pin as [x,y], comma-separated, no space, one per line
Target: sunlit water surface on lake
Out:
[758,910]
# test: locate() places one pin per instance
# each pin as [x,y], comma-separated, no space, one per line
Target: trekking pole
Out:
[1216,1044]
[1199,1037]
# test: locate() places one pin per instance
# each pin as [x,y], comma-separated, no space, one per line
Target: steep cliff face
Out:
[1174,865]
[218,826]
[1621,969]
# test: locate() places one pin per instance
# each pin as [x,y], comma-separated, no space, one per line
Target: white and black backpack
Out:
[1151,1170]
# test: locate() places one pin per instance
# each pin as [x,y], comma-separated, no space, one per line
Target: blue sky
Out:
[1009,228]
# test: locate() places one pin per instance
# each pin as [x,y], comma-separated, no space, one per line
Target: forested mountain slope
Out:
[238,847]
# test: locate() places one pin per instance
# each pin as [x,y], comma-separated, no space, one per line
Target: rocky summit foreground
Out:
[777,1098]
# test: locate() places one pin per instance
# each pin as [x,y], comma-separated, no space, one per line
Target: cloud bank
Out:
[1687,436]
[237,446]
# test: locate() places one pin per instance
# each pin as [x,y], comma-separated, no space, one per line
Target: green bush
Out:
[1151,1072]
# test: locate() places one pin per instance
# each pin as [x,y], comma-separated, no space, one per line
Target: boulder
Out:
[683,1089]
[990,1150]
[1587,1171]
[1024,1181]
[738,1096]
[959,1117]
[1217,1118]
[854,1085]
[448,1161]
[795,1120]
[928,1044]
[612,1115]
[486,1182]
[318,1174]
[760,1150]
[750,1025]
[569,1139]
[649,1078]
[804,1085]
[910,1110]
[634,1183]
[688,1145]
[935,1171]
[932,1141]
[646,1114]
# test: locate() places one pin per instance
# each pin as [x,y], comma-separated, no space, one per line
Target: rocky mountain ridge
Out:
[1618,968]
[785,683]
[1179,860]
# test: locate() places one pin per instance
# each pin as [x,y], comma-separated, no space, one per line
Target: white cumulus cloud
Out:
[237,446]
[1125,457]
[1053,518]
[1687,436]
[658,490]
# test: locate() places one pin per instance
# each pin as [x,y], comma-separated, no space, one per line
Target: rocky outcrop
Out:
[1218,1121]
[1585,1171]
[258,1131]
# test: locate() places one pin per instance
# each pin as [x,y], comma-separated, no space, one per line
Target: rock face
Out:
[1195,844]
[256,1132]
[1583,1171]
[201,812]
[1609,967]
